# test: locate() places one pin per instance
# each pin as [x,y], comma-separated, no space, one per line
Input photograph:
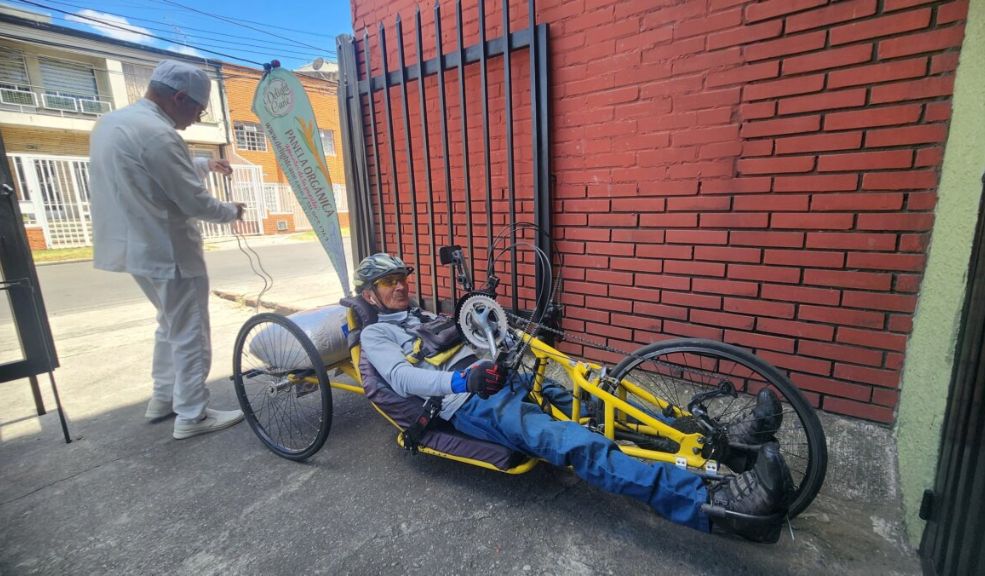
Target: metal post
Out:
[510,183]
[444,139]
[465,136]
[393,153]
[376,147]
[485,130]
[427,163]
[410,156]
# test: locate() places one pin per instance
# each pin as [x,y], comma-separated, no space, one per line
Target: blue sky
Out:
[245,31]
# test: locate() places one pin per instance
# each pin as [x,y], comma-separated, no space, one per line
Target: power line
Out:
[128,17]
[232,21]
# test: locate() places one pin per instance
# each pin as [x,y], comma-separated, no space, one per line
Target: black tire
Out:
[677,369]
[271,358]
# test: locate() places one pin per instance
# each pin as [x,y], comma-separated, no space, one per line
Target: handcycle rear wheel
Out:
[282,386]
[676,370]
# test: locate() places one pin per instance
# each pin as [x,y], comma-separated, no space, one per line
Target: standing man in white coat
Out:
[147,194]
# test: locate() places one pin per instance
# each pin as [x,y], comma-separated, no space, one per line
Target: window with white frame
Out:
[15,84]
[249,136]
[70,87]
[328,141]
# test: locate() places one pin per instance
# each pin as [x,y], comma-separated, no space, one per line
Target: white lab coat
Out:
[146,194]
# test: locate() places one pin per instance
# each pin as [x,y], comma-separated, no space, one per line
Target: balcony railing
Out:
[35,99]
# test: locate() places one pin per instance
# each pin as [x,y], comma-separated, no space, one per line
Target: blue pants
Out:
[505,418]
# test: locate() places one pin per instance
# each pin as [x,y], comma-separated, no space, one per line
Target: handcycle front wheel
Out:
[282,386]
[677,370]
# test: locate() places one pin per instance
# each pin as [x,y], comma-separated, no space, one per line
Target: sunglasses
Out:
[391,281]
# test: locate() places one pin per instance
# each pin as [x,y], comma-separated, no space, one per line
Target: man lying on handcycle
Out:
[481,400]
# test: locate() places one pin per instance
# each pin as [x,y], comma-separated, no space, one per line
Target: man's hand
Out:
[240,208]
[485,378]
[220,166]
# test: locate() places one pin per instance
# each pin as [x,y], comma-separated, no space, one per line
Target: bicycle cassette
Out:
[482,321]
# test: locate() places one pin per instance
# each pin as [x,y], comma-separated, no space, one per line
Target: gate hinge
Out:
[927,504]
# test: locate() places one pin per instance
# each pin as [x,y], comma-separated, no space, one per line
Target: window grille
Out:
[249,136]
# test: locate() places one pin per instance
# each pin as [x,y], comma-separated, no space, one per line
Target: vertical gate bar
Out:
[510,182]
[358,193]
[444,137]
[376,148]
[485,132]
[412,186]
[542,131]
[539,280]
[393,152]
[465,134]
[427,159]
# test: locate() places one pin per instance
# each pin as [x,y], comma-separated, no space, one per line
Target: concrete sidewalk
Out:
[125,498]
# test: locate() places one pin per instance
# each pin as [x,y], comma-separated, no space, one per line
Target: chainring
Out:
[476,311]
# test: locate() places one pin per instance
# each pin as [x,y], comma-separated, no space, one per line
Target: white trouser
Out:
[182,343]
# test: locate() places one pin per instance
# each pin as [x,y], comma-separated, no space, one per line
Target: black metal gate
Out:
[954,539]
[387,170]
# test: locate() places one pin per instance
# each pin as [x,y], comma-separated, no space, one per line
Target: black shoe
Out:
[763,491]
[758,425]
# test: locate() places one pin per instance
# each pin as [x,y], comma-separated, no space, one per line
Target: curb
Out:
[54,262]
[282,309]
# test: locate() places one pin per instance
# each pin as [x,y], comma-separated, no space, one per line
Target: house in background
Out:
[250,144]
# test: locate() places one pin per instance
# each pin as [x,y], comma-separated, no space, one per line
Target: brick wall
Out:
[758,172]
[241,84]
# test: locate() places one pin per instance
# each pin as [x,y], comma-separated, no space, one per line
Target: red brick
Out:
[661,281]
[594,205]
[932,41]
[942,63]
[764,273]
[614,304]
[831,58]
[774,8]
[697,237]
[754,148]
[916,222]
[633,264]
[757,110]
[794,328]
[938,111]
[612,278]
[784,87]
[759,341]
[823,101]
[891,5]
[801,294]
[900,323]
[913,242]
[743,74]
[660,310]
[692,330]
[933,156]
[720,150]
[784,46]
[839,12]
[885,116]
[722,320]
[857,201]
[692,300]
[675,220]
[693,268]
[638,236]
[812,258]
[639,204]
[816,183]
[699,203]
[781,126]
[858,409]
[879,72]
[952,12]
[579,261]
[840,352]
[887,302]
[848,279]
[631,292]
[872,339]
[736,186]
[608,248]
[923,134]
[882,159]
[639,322]
[782,239]
[819,143]
[884,378]
[901,262]
[759,307]
[727,254]
[774,202]
[909,180]
[586,288]
[885,26]
[663,251]
[932,87]
[744,34]
[732,220]
[832,387]
[809,221]
[599,234]
[841,316]
[907,283]
[885,396]
[609,330]
[587,314]
[729,287]
[798,363]
[783,165]
[709,23]
[613,220]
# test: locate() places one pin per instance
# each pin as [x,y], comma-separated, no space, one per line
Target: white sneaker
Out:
[213,421]
[158,409]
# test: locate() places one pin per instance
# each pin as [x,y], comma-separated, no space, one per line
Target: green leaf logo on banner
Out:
[289,122]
